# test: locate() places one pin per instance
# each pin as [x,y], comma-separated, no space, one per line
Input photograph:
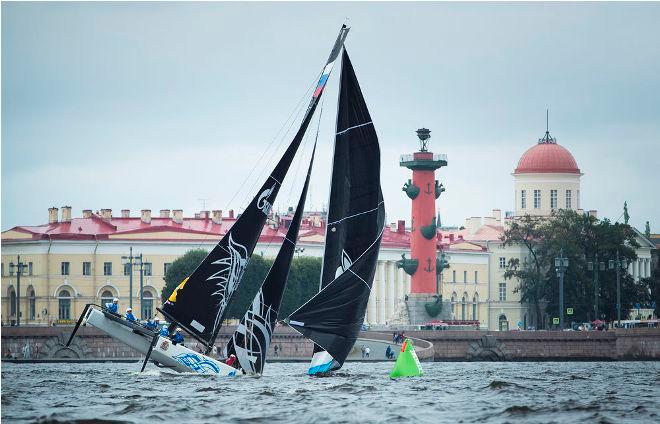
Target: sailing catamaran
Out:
[333,317]
[199,303]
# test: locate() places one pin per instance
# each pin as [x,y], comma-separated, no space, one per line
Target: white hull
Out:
[176,357]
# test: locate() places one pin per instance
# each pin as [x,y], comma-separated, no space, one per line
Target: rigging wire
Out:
[286,136]
[289,121]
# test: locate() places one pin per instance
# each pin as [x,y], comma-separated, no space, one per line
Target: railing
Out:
[410,157]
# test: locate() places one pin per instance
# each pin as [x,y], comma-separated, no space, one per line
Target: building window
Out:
[453,276]
[31,304]
[503,292]
[463,307]
[568,199]
[127,269]
[64,303]
[87,268]
[12,302]
[106,297]
[148,268]
[147,304]
[537,199]
[107,268]
[476,277]
[523,199]
[65,268]
[166,266]
[30,268]
[474,308]
[3,270]
[553,199]
[464,277]
[502,263]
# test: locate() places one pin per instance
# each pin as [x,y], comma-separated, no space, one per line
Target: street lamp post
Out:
[618,264]
[130,260]
[561,264]
[141,263]
[19,270]
[596,266]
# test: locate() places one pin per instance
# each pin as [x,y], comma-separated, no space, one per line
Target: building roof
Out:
[97,227]
[547,157]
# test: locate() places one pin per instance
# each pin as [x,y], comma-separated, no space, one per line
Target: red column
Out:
[423,212]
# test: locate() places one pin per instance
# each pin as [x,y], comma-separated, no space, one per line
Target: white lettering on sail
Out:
[346,262]
[229,275]
[263,203]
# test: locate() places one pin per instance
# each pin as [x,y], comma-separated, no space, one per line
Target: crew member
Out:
[231,360]
[129,315]
[153,325]
[164,331]
[113,306]
[178,337]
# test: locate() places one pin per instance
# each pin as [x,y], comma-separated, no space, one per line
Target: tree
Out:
[579,238]
[527,232]
[653,286]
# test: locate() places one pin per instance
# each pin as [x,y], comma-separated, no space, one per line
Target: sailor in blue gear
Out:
[113,306]
[129,315]
[178,337]
[164,331]
[153,325]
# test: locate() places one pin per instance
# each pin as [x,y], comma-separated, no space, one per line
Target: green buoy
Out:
[407,364]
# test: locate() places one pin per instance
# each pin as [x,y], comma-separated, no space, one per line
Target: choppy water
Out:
[362,393]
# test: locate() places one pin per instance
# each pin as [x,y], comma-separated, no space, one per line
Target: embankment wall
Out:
[632,344]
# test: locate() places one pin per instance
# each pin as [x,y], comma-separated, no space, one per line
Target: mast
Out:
[252,337]
[199,303]
[356,216]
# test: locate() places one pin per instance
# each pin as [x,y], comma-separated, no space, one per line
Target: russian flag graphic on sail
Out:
[324,78]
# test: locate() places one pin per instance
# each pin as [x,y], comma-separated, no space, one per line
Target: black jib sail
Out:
[253,335]
[199,303]
[356,216]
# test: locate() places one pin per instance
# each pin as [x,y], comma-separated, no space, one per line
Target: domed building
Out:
[547,178]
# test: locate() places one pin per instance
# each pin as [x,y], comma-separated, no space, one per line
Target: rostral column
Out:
[423,190]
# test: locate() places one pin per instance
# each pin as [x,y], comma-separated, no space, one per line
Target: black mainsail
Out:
[200,302]
[356,217]
[252,337]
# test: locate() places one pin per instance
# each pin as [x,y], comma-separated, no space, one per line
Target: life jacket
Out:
[112,307]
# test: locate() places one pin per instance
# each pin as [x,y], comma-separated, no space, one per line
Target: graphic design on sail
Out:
[356,216]
[199,303]
[252,337]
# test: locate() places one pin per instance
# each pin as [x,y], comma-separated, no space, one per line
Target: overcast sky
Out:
[158,105]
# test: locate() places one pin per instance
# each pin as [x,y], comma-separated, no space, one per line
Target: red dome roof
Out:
[547,158]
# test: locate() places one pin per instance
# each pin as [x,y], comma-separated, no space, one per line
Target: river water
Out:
[484,392]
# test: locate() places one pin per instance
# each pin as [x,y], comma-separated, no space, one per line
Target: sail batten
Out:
[200,302]
[333,317]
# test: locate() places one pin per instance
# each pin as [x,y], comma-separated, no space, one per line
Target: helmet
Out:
[129,309]
[115,300]
[156,319]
